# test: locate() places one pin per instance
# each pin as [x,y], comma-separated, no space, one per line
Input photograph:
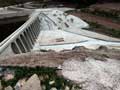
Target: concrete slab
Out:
[70,35]
[53,37]
[59,31]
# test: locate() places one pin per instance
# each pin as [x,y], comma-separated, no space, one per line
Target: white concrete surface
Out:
[60,36]
[54,37]
[58,31]
[61,18]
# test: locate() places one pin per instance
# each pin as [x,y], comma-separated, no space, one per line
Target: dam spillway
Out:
[49,29]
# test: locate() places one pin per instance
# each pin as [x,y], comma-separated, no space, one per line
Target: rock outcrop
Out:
[0,85]
[93,74]
[9,88]
[33,83]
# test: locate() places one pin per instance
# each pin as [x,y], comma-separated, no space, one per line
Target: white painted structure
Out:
[53,29]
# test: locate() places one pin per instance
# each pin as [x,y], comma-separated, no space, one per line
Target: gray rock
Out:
[20,84]
[43,87]
[33,83]
[103,48]
[9,88]
[67,88]
[53,88]
[93,74]
[0,85]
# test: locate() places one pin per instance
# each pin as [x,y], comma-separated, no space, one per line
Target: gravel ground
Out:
[54,59]
[91,69]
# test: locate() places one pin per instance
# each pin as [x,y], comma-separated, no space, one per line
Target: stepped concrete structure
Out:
[49,29]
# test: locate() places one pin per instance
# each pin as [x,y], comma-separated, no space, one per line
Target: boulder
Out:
[33,83]
[9,88]
[67,88]
[20,84]
[53,88]
[93,74]
[0,85]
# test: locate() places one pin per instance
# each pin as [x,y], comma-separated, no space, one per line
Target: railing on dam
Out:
[23,39]
[28,37]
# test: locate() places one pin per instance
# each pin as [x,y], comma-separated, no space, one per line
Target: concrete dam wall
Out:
[49,29]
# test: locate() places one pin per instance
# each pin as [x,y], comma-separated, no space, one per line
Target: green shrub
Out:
[26,72]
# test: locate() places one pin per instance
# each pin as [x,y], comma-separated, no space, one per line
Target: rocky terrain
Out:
[84,69]
[53,59]
[37,78]
[76,69]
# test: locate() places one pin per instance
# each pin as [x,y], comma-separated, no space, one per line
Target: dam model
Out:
[48,29]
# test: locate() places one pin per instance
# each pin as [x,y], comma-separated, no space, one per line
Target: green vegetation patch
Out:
[49,76]
[102,29]
[22,72]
